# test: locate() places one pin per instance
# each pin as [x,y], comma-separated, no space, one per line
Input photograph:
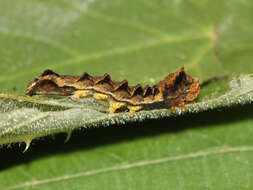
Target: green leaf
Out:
[141,41]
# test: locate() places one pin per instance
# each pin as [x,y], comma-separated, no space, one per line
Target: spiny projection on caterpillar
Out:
[176,90]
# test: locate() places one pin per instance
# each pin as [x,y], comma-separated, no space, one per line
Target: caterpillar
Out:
[176,90]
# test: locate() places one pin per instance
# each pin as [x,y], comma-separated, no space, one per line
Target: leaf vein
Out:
[41,39]
[113,52]
[217,151]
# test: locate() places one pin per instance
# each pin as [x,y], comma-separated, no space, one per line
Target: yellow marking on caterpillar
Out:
[114,106]
[133,109]
[81,93]
[100,96]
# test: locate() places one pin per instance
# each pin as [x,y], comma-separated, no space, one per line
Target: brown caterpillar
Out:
[176,90]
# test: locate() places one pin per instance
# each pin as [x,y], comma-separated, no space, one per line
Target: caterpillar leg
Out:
[81,93]
[114,106]
[180,105]
[133,109]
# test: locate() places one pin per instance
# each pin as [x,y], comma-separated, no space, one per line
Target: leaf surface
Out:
[141,41]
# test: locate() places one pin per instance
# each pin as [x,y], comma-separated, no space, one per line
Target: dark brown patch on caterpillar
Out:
[177,89]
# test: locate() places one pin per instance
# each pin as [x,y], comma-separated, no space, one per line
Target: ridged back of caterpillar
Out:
[174,87]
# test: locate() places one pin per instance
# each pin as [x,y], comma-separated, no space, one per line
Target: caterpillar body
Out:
[176,90]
